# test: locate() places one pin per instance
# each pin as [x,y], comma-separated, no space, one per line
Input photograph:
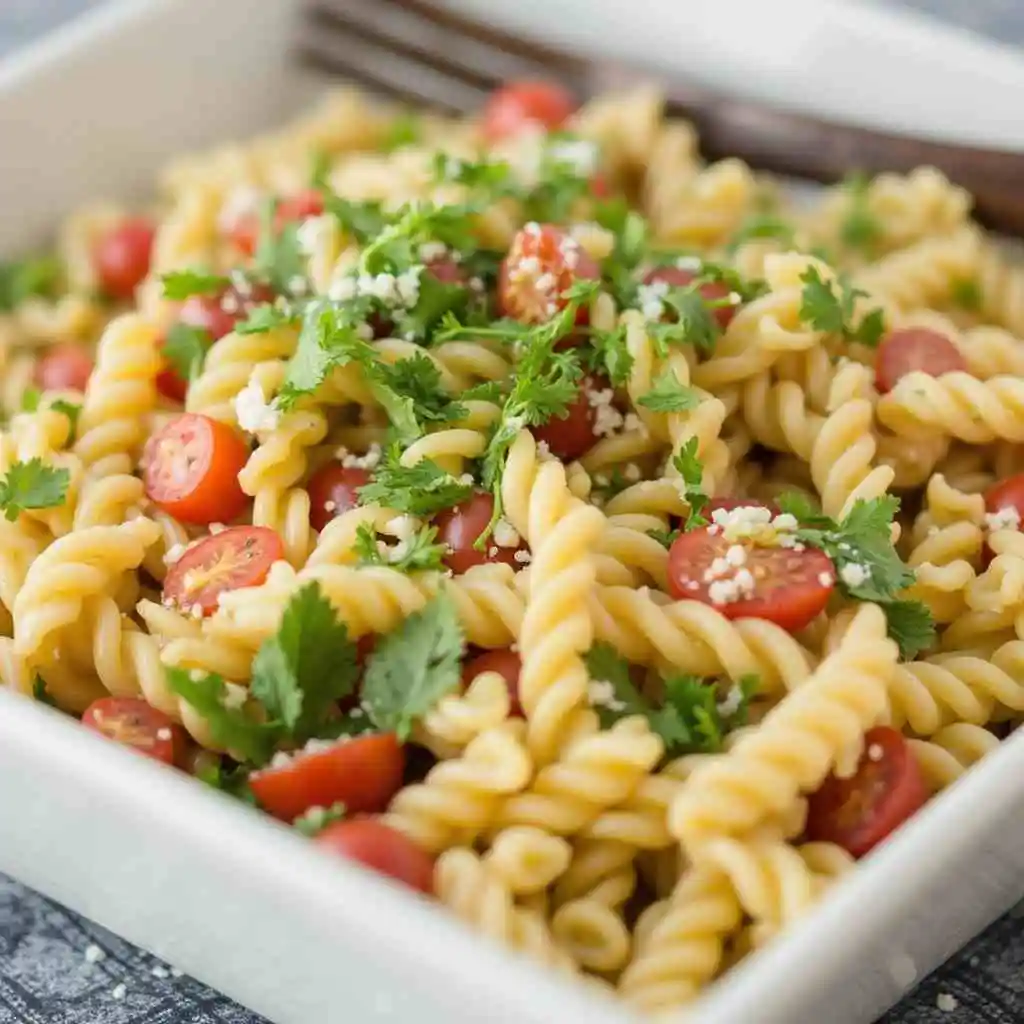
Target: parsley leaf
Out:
[609,355]
[267,316]
[405,130]
[307,666]
[185,349]
[691,471]
[32,485]
[414,666]
[829,307]
[38,275]
[690,320]
[418,553]
[419,490]
[180,284]
[860,228]
[230,727]
[863,540]
[666,538]
[30,399]
[708,719]
[411,393]
[361,220]
[315,819]
[668,395]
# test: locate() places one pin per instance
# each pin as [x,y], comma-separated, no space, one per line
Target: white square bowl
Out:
[238,900]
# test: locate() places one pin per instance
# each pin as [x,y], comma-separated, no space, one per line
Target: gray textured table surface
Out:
[56,968]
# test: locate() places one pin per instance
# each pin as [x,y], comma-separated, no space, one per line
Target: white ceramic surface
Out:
[234,898]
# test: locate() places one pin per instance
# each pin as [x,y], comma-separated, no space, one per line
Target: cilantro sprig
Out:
[185,348]
[180,284]
[691,473]
[860,228]
[418,553]
[692,717]
[862,540]
[420,490]
[831,306]
[32,485]
[763,226]
[667,394]
[20,280]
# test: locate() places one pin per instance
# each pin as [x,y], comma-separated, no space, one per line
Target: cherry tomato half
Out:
[571,435]
[790,587]
[521,106]
[65,366]
[333,491]
[506,663]
[245,232]
[363,772]
[915,348]
[240,556]
[712,291]
[459,528]
[376,845]
[191,468]
[859,812]
[122,256]
[131,722]
[542,264]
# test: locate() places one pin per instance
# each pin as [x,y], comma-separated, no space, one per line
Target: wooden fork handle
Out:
[789,143]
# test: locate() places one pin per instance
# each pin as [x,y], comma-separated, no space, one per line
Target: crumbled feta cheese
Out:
[229,302]
[649,297]
[505,534]
[853,574]
[825,579]
[239,204]
[368,461]
[164,734]
[947,1003]
[342,289]
[735,298]
[607,419]
[430,251]
[175,973]
[631,472]
[197,675]
[523,557]
[93,953]
[730,703]
[312,232]
[159,971]
[467,478]
[601,693]
[119,991]
[875,752]
[298,285]
[234,696]
[217,528]
[407,284]
[255,414]
[1007,518]
[693,263]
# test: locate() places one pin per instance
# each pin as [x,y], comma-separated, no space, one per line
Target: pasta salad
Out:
[581,534]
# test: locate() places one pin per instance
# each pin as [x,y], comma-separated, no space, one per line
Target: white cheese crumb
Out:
[853,574]
[431,251]
[730,703]
[578,154]
[1003,519]
[947,1003]
[601,693]
[93,954]
[505,534]
[689,263]
[175,973]
[240,202]
[875,752]
[649,297]
[368,461]
[255,414]
[119,991]
[234,696]
[217,527]
[825,579]
[298,285]
[523,557]
[164,734]
[159,971]
[607,419]
[631,472]
[311,233]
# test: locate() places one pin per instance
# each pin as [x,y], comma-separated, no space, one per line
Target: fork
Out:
[420,52]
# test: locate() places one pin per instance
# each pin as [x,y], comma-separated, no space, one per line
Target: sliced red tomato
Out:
[542,264]
[712,291]
[362,772]
[382,848]
[240,556]
[915,348]
[245,232]
[506,663]
[65,367]
[447,271]
[571,435]
[786,586]
[131,722]
[459,528]
[521,106]
[333,491]
[122,256]
[191,467]
[859,812]
[1007,494]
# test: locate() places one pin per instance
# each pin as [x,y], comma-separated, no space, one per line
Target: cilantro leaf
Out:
[410,392]
[278,258]
[708,719]
[493,178]
[180,284]
[405,130]
[414,666]
[691,320]
[316,819]
[32,485]
[185,349]
[230,727]
[609,355]
[267,316]
[666,538]
[307,666]
[418,553]
[763,225]
[668,395]
[38,275]
[361,220]
[966,293]
[830,307]
[691,471]
[30,399]
[911,625]
[419,490]
[860,228]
